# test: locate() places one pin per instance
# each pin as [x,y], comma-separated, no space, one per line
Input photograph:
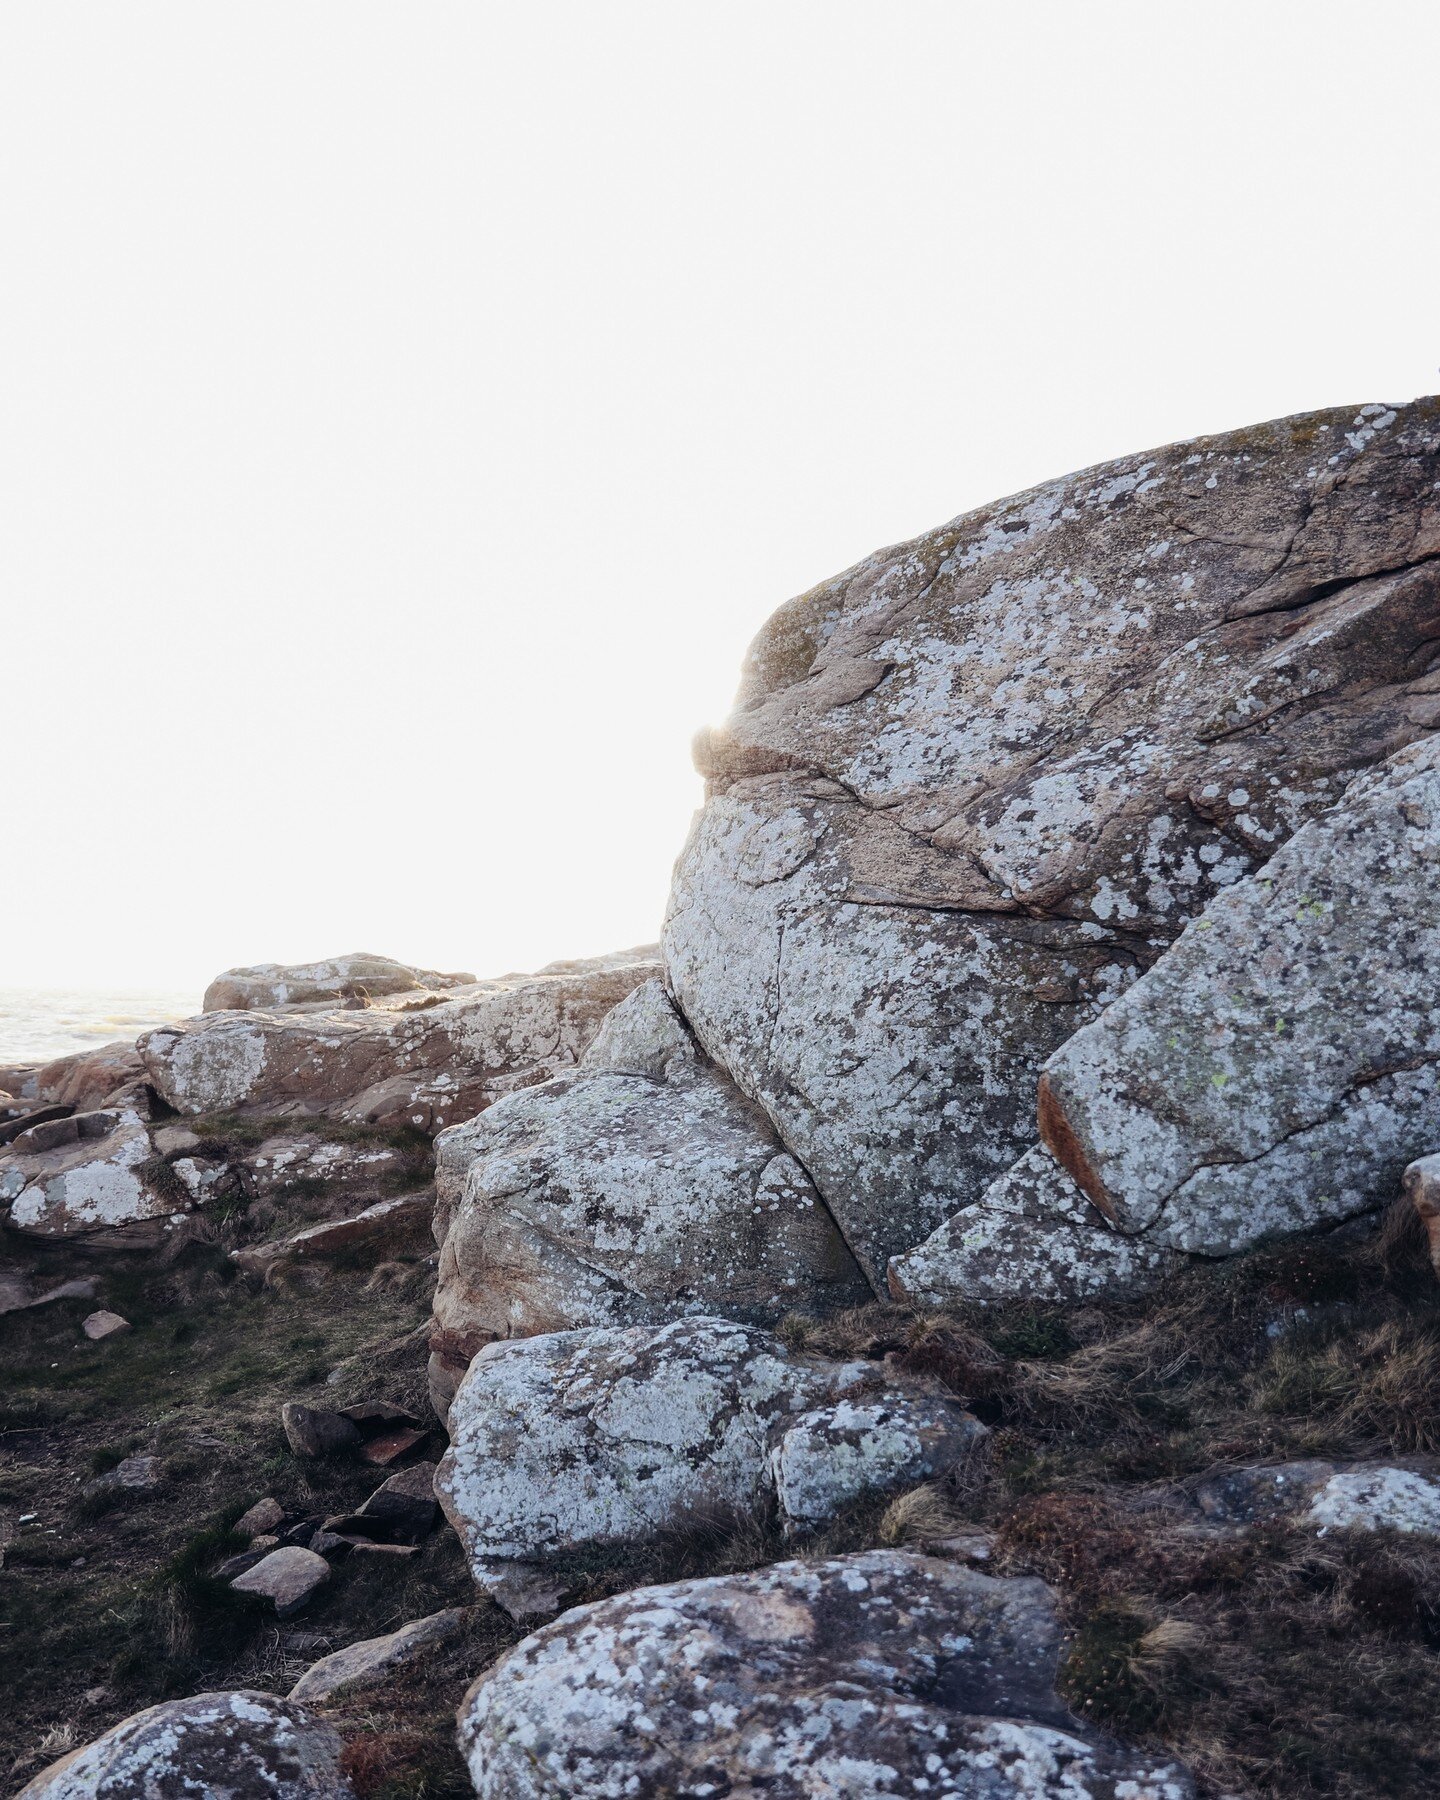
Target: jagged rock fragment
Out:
[287,1577]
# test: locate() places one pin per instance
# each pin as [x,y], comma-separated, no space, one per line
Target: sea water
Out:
[37,1024]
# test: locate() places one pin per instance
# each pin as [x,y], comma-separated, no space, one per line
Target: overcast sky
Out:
[408,412]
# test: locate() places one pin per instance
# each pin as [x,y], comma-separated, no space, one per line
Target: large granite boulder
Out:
[884,1673]
[976,784]
[234,1746]
[89,1175]
[640,1187]
[358,977]
[415,1057]
[1279,1067]
[586,1439]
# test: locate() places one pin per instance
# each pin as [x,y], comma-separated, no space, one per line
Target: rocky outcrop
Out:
[358,977]
[637,1189]
[1280,1066]
[1032,1235]
[415,1058]
[242,1745]
[590,1438]
[975,785]
[874,1674]
[387,1226]
[90,1175]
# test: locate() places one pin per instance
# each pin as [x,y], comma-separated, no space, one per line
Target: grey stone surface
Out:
[418,1058]
[287,1577]
[229,1746]
[103,1180]
[1280,1066]
[1031,1235]
[885,1673]
[583,1439]
[641,1187]
[369,1663]
[976,784]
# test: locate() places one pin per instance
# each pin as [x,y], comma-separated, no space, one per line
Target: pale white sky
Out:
[408,412]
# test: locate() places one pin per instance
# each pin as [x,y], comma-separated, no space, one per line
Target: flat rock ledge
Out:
[883,1673]
[239,1746]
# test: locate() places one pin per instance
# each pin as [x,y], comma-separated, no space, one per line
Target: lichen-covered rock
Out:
[358,976]
[386,1226]
[971,787]
[885,1673]
[1280,1066]
[639,1188]
[411,1058]
[1031,1235]
[602,1437]
[101,1179]
[842,1452]
[233,1746]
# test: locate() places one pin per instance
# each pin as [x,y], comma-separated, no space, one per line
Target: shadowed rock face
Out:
[244,1746]
[873,1674]
[975,785]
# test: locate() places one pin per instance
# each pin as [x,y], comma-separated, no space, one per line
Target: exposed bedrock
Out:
[1280,1066]
[974,786]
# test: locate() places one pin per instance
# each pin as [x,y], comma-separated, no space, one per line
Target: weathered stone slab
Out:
[885,1673]
[242,1745]
[369,1663]
[602,1437]
[1031,1235]
[1280,1066]
[286,1577]
[971,787]
[423,1059]
[641,1187]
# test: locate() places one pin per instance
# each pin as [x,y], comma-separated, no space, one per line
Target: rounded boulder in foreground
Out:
[878,1674]
[230,1746]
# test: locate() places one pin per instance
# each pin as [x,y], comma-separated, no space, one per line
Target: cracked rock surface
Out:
[975,785]
[239,1745]
[1280,1066]
[607,1437]
[882,1673]
[641,1187]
